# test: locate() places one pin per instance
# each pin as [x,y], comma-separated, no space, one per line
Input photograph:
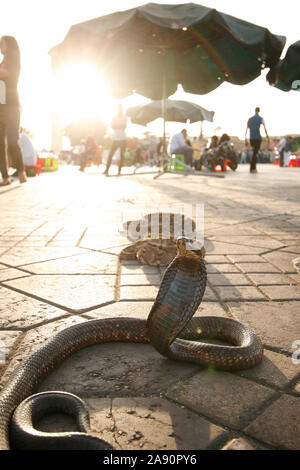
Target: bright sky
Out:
[39,25]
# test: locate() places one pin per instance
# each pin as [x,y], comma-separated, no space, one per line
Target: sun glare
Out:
[80,93]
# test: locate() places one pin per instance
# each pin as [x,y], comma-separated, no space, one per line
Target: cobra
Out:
[170,328]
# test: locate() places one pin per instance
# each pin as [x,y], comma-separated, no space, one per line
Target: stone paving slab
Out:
[150,424]
[104,242]
[218,248]
[144,293]
[279,424]
[90,263]
[8,341]
[288,293]
[282,260]
[277,324]
[239,293]
[140,279]
[256,242]
[270,279]
[257,268]
[9,338]
[209,393]
[20,312]
[221,268]
[226,279]
[230,231]
[11,273]
[215,259]
[238,259]
[295,277]
[134,369]
[33,339]
[275,369]
[142,310]
[79,292]
[136,268]
[291,249]
[23,256]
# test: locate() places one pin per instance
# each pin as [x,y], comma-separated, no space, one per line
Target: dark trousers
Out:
[255,144]
[281,158]
[9,128]
[116,144]
[85,157]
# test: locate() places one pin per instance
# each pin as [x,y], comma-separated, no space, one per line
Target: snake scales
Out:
[169,328]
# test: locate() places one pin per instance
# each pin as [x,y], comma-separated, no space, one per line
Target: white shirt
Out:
[282,144]
[27,149]
[119,124]
[177,141]
[2,92]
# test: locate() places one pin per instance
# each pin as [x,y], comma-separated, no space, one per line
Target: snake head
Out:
[189,244]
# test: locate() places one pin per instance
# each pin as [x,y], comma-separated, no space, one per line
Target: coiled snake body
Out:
[169,328]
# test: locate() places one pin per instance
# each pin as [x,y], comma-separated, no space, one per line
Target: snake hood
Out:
[180,294]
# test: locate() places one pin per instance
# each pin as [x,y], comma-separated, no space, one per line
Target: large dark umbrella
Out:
[175,110]
[286,74]
[151,49]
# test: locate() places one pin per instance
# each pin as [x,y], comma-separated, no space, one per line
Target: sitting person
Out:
[214,142]
[89,153]
[224,139]
[28,151]
[180,146]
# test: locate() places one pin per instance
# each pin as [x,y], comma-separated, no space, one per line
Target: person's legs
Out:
[287,156]
[187,152]
[3,159]
[188,156]
[83,159]
[281,155]
[12,137]
[122,144]
[255,144]
[113,148]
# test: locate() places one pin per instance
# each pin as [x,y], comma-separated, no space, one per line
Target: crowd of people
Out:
[17,150]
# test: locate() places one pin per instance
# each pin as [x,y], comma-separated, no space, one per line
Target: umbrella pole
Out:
[201,130]
[164,90]
[164,156]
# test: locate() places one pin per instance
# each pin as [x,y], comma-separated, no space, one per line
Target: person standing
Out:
[287,151]
[282,145]
[118,124]
[253,125]
[10,109]
[197,154]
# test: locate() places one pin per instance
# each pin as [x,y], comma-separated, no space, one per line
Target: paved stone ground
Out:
[59,243]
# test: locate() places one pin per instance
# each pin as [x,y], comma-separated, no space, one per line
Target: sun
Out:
[79,93]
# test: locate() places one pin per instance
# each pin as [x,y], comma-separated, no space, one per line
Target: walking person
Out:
[287,151]
[282,145]
[118,124]
[10,109]
[253,125]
